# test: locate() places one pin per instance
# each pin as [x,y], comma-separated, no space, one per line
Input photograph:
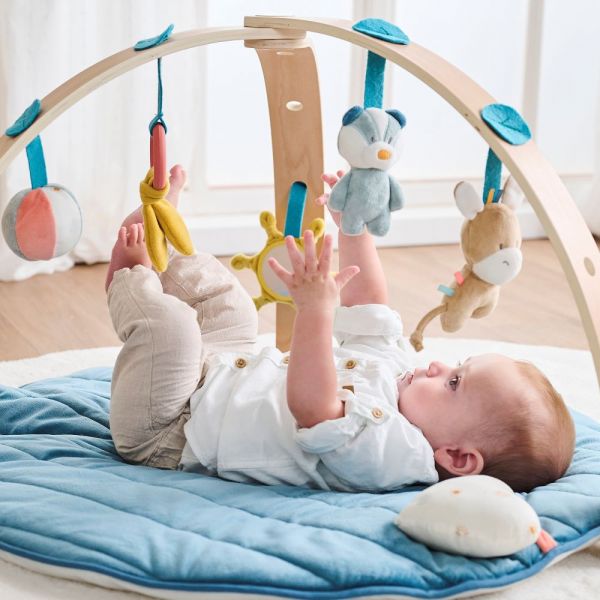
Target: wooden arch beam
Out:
[82,84]
[562,221]
[568,233]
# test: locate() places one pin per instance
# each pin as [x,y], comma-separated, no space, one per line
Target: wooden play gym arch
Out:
[290,73]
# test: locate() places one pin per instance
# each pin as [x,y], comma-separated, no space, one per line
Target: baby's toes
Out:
[141,234]
[122,236]
[132,235]
[178,176]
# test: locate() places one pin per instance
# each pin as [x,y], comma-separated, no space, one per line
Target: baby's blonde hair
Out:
[529,448]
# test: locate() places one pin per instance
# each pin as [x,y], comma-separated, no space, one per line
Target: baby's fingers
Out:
[296,257]
[329,179]
[345,275]
[322,200]
[282,273]
[326,253]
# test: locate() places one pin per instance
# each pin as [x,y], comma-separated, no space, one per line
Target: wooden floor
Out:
[63,311]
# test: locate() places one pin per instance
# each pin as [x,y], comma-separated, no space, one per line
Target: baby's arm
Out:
[369,286]
[312,380]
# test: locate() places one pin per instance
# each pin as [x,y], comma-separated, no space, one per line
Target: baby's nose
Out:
[434,369]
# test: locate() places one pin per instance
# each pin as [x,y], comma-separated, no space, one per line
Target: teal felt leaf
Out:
[383,30]
[25,120]
[156,40]
[507,123]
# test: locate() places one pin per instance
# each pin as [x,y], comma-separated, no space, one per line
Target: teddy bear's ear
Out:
[351,115]
[512,195]
[398,116]
[467,200]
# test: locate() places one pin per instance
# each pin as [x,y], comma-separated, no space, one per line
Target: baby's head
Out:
[491,415]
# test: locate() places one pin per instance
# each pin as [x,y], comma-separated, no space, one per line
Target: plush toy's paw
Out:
[416,341]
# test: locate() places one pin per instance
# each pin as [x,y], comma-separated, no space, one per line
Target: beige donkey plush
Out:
[490,240]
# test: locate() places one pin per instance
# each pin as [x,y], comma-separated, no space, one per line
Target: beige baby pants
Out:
[169,323]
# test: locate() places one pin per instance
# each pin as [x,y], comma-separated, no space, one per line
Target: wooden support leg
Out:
[292,84]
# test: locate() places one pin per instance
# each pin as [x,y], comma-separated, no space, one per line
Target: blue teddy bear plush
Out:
[370,141]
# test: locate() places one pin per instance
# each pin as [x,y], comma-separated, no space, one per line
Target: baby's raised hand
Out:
[330,180]
[311,285]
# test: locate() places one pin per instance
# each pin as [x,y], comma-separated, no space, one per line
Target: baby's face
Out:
[449,403]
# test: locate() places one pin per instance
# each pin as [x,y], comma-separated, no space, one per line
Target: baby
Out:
[190,392]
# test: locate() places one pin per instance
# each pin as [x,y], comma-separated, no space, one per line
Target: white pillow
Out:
[475,515]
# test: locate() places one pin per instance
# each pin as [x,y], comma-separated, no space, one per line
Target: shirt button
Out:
[240,363]
[350,364]
[286,360]
[377,413]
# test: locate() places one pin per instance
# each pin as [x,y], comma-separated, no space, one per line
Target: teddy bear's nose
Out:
[384,154]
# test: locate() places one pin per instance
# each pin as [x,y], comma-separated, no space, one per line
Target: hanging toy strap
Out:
[162,222]
[35,151]
[295,209]
[374,78]
[493,173]
[158,145]
[509,125]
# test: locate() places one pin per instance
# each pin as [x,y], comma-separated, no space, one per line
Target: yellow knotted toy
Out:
[271,287]
[162,222]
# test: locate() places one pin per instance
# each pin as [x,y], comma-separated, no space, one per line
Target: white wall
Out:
[539,56]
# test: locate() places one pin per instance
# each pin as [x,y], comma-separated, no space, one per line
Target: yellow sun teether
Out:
[272,288]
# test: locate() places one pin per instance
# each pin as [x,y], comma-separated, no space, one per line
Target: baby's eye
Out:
[453,383]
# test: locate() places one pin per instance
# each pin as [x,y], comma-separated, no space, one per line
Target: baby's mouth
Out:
[404,381]
[408,377]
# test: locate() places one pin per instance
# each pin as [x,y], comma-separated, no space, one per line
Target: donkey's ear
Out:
[512,195]
[467,200]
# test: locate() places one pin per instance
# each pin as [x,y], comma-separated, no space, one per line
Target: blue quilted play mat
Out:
[67,500]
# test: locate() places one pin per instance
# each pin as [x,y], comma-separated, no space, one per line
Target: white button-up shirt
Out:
[241,428]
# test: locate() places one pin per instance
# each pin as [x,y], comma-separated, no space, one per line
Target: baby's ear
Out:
[467,200]
[459,461]
[512,195]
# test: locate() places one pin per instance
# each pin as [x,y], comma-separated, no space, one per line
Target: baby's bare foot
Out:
[128,251]
[176,182]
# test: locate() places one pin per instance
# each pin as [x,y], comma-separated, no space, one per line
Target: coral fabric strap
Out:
[158,156]
[158,144]
[162,222]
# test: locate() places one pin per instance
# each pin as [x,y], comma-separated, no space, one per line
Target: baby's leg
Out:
[225,311]
[159,366]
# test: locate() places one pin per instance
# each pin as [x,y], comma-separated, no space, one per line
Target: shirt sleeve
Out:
[373,329]
[371,448]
